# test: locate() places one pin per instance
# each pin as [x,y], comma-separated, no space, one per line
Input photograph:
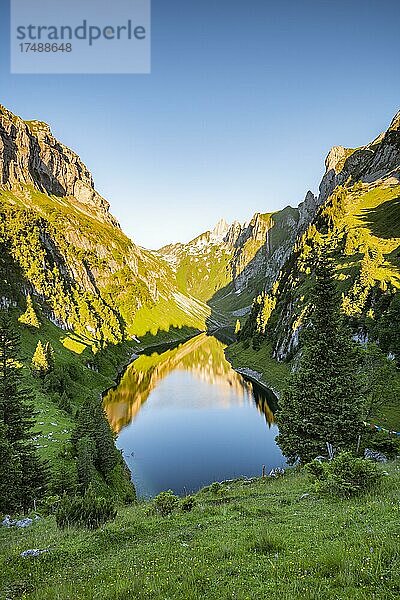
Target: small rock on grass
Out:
[8,522]
[33,552]
[23,523]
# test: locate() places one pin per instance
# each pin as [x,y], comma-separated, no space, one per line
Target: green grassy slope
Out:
[272,373]
[268,539]
[360,223]
[54,422]
[86,271]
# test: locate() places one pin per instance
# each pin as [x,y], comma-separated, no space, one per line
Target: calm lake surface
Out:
[185,418]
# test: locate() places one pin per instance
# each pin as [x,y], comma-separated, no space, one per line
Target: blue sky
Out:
[243,103]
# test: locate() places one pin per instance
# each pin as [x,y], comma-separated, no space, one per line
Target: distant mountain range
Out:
[60,243]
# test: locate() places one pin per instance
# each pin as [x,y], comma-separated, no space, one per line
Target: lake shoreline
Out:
[253,376]
[188,395]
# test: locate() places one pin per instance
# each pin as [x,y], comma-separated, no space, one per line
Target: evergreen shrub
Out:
[345,475]
[188,503]
[165,503]
[87,511]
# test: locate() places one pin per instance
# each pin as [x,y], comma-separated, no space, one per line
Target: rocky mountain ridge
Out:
[61,244]
[374,162]
[232,261]
[31,156]
[358,219]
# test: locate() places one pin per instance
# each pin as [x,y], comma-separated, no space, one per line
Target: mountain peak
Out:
[31,156]
[220,230]
[395,124]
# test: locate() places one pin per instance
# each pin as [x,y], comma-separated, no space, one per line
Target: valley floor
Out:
[267,538]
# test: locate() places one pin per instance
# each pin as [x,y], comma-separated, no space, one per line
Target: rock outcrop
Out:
[377,161]
[59,243]
[31,155]
[226,265]
[360,220]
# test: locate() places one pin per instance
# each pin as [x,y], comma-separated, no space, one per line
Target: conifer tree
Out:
[33,482]
[86,450]
[92,423]
[49,352]
[10,473]
[237,327]
[322,401]
[64,477]
[29,317]
[24,472]
[16,410]
[65,403]
[40,364]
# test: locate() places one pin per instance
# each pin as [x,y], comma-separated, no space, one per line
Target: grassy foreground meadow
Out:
[265,538]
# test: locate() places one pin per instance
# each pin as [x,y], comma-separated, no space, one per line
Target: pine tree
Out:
[237,327]
[33,475]
[10,473]
[49,352]
[64,478]
[30,317]
[40,364]
[23,469]
[86,451]
[65,403]
[16,408]
[92,423]
[322,401]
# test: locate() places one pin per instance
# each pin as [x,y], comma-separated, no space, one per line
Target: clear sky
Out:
[243,103]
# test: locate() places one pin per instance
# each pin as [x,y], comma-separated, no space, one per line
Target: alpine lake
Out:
[185,418]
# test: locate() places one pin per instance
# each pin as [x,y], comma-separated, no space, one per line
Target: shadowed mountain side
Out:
[258,274]
[92,279]
[359,220]
[383,220]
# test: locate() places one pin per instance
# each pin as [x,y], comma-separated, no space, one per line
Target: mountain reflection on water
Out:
[204,357]
[185,418]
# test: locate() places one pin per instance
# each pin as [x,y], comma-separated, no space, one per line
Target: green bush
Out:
[188,503]
[215,488]
[383,442]
[165,503]
[315,469]
[85,511]
[48,505]
[345,476]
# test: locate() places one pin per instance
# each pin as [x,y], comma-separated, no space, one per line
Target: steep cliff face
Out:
[378,161]
[30,155]
[263,246]
[61,244]
[359,219]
